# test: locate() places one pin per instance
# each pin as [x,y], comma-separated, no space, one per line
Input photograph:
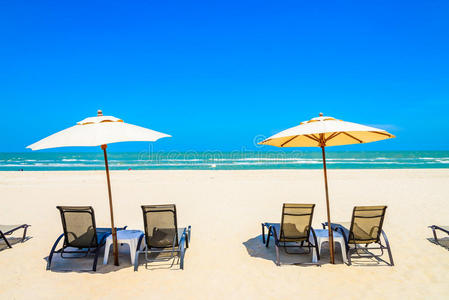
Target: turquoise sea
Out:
[215,160]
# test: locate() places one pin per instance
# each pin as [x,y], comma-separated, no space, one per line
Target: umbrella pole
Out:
[114,233]
[331,236]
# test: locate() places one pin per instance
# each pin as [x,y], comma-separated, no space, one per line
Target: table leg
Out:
[314,256]
[107,247]
[319,241]
[132,250]
[343,250]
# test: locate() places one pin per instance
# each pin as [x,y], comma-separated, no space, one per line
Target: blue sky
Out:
[215,74]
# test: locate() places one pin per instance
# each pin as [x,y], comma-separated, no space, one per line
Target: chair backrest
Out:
[78,223]
[296,222]
[366,224]
[161,228]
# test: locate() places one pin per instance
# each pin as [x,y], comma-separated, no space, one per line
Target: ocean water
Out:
[215,160]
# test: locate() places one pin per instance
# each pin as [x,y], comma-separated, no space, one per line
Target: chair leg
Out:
[189,231]
[4,238]
[315,242]
[188,235]
[139,243]
[435,235]
[97,251]
[387,244]
[349,256]
[52,251]
[182,250]
[24,233]
[263,233]
[181,263]
[268,236]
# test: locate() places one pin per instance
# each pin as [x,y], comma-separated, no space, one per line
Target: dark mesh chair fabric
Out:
[366,224]
[79,226]
[161,228]
[296,222]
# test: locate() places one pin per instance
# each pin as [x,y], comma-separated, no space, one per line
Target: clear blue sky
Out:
[215,74]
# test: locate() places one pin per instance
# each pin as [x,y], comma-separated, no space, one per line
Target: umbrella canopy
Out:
[327,130]
[97,131]
[323,132]
[100,131]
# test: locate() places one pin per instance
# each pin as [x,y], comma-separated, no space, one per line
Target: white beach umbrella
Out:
[100,131]
[323,132]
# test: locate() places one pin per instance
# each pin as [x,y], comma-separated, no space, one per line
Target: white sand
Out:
[226,259]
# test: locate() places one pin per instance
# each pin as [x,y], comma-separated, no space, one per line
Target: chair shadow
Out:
[13,241]
[173,263]
[256,248]
[84,264]
[443,242]
[370,260]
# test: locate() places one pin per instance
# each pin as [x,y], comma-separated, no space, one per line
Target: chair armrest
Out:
[442,228]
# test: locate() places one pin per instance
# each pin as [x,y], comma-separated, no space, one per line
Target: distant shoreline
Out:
[221,171]
[216,160]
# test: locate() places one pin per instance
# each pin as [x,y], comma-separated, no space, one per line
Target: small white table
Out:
[130,237]
[322,236]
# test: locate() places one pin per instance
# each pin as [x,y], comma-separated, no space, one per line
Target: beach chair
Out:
[293,231]
[442,241]
[80,234]
[9,229]
[162,235]
[364,230]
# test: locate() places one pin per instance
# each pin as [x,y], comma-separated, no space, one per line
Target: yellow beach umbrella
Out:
[100,131]
[324,132]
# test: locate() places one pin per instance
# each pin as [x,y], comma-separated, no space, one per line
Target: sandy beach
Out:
[226,258]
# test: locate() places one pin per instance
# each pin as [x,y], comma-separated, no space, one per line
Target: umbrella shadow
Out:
[13,241]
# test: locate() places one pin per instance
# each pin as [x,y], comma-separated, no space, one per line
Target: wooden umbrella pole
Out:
[331,236]
[114,233]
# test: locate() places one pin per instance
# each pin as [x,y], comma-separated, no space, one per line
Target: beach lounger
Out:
[9,229]
[162,235]
[444,241]
[81,233]
[364,229]
[293,231]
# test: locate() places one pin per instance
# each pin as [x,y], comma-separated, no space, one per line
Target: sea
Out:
[217,160]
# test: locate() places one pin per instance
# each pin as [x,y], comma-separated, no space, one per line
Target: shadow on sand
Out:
[84,264]
[13,241]
[443,242]
[256,248]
